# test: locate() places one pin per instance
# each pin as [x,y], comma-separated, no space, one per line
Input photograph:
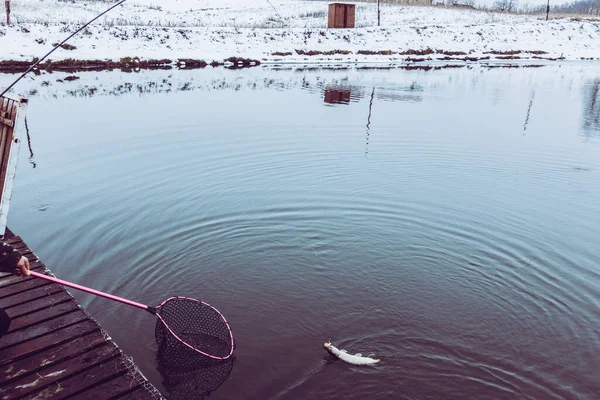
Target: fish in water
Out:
[354,359]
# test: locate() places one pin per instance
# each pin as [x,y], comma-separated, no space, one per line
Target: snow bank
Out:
[285,32]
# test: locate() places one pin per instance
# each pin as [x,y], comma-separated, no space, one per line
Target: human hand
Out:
[22,268]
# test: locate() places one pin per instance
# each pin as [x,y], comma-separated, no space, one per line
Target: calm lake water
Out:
[447,221]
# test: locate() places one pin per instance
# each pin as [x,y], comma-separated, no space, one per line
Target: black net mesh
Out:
[189,375]
[196,324]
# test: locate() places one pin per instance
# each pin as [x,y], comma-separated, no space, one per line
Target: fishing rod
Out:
[57,46]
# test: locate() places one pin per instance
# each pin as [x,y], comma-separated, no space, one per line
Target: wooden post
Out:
[547,10]
[12,117]
[378,14]
[7,4]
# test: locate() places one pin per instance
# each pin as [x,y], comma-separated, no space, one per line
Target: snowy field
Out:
[284,30]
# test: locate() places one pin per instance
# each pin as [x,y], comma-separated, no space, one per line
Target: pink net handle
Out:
[93,291]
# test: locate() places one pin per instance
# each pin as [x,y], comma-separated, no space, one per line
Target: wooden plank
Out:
[36,330]
[60,373]
[13,239]
[59,337]
[4,109]
[35,362]
[31,295]
[37,317]
[99,375]
[8,139]
[21,285]
[20,310]
[108,380]
[17,244]
[8,279]
[54,349]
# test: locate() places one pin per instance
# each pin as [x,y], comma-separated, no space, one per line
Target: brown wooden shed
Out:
[341,15]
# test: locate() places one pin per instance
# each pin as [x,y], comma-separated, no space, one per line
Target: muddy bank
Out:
[413,55]
[126,64]
[398,58]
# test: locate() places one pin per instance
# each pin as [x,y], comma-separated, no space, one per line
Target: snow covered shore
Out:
[288,31]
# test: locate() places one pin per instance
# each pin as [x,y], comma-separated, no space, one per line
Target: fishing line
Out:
[57,46]
[277,12]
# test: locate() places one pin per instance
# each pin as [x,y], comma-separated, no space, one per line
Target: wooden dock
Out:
[54,349]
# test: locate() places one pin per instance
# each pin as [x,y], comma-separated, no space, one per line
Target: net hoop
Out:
[231,344]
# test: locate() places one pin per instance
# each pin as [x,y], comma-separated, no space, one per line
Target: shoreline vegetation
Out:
[126,64]
[411,56]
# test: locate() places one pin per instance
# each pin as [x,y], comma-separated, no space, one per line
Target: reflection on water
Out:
[189,375]
[31,160]
[340,94]
[335,90]
[528,111]
[369,122]
[591,108]
[415,221]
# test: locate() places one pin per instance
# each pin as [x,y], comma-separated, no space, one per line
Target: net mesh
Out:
[196,324]
[196,377]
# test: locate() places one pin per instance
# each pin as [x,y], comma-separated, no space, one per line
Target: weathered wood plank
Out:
[36,330]
[101,382]
[31,295]
[7,141]
[33,263]
[7,137]
[4,133]
[48,301]
[7,279]
[37,317]
[17,242]
[10,237]
[35,362]
[54,349]
[4,110]
[31,256]
[24,250]
[59,337]
[22,247]
[59,373]
[21,286]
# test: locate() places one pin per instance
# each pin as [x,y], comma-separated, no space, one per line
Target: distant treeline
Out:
[590,7]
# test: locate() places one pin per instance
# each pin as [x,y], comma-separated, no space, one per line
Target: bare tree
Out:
[505,5]
[458,3]
[591,7]
[591,108]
